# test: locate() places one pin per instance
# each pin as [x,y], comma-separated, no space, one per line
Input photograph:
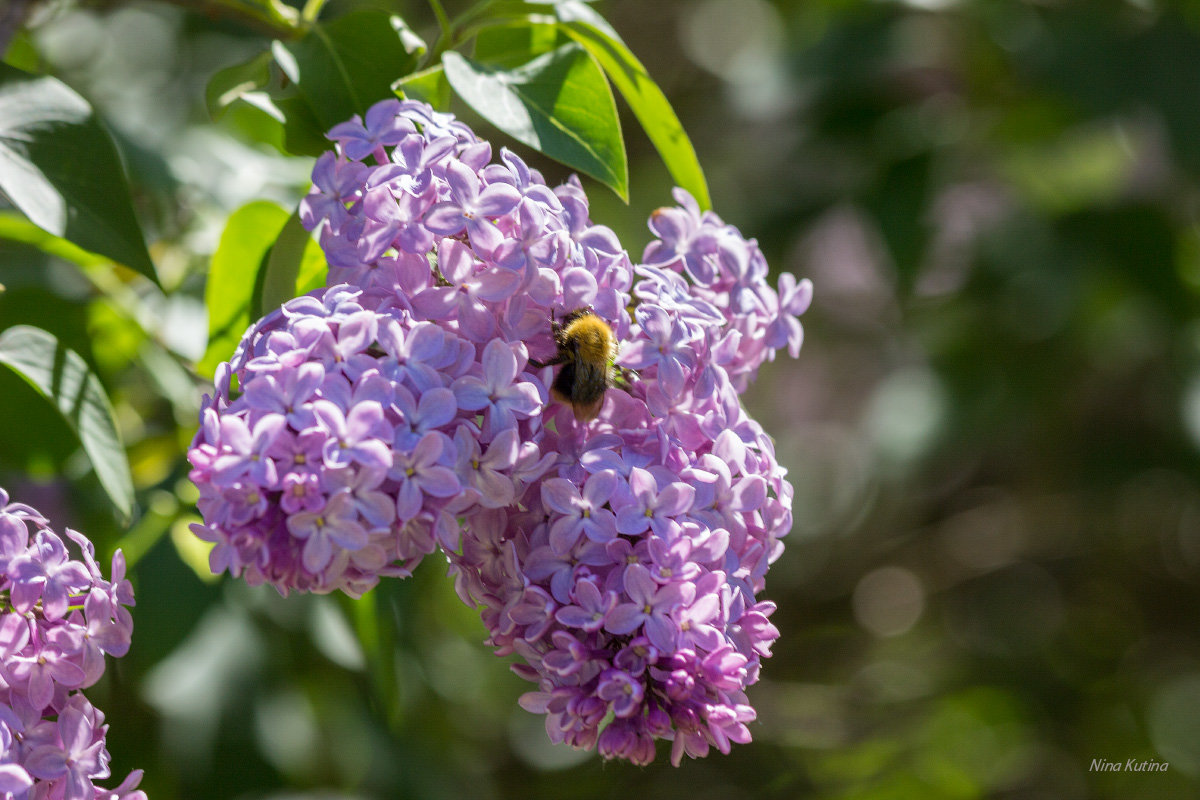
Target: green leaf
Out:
[247,82]
[314,269]
[286,116]
[510,45]
[247,238]
[21,53]
[559,104]
[63,378]
[16,228]
[295,257]
[345,66]
[303,134]
[428,86]
[59,166]
[645,99]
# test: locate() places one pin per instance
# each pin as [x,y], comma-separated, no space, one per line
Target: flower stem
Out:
[312,10]
[445,35]
[442,20]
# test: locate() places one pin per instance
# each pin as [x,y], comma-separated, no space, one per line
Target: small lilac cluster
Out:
[353,446]
[59,617]
[485,249]
[727,284]
[398,411]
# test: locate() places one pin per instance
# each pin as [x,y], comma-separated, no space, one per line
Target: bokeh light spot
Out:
[889,601]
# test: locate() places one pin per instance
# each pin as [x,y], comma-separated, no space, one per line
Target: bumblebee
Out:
[587,350]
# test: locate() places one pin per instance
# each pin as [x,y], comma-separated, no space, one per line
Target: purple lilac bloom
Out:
[622,559]
[59,618]
[336,464]
[683,491]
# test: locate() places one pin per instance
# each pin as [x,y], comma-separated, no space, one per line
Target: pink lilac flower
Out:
[591,613]
[335,184]
[581,510]
[59,617]
[691,521]
[383,127]
[622,559]
[335,465]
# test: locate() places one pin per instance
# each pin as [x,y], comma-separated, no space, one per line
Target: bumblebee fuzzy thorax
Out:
[587,349]
[591,339]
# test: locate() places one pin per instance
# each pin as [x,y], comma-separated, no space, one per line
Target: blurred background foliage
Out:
[992,429]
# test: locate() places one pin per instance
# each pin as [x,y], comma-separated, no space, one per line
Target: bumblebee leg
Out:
[623,378]
[558,359]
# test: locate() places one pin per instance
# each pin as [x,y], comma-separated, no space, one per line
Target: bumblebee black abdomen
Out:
[579,382]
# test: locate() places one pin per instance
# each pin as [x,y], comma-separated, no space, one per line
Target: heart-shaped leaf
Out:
[59,166]
[559,104]
[63,378]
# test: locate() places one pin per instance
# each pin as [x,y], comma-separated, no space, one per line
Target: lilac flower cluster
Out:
[356,440]
[627,577]
[727,283]
[357,429]
[59,617]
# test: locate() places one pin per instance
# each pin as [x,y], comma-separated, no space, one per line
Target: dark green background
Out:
[992,428]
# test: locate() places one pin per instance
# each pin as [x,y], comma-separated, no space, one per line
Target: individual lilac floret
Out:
[339,461]
[59,618]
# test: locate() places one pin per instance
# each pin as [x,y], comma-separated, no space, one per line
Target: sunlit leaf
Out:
[59,166]
[63,378]
[510,45]
[314,269]
[21,53]
[247,238]
[192,550]
[342,67]
[16,228]
[295,257]
[246,82]
[428,86]
[559,104]
[643,95]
